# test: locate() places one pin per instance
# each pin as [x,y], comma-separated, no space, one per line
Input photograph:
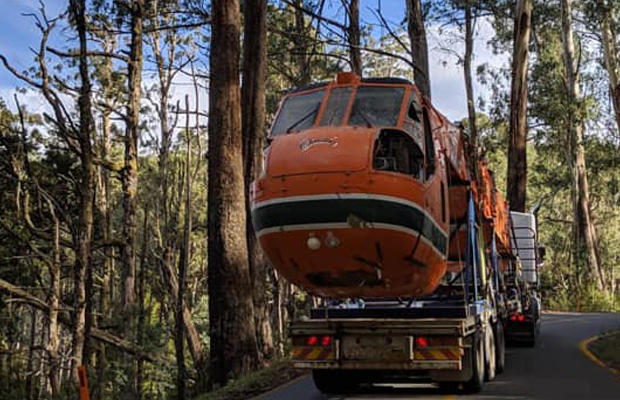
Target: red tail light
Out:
[313,340]
[520,317]
[421,341]
[513,317]
[326,340]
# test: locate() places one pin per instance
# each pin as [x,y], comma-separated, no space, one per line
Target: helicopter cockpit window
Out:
[412,123]
[298,112]
[336,107]
[376,106]
[396,151]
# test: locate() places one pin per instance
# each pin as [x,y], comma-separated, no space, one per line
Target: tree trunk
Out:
[184,261]
[103,196]
[231,315]
[517,150]
[253,121]
[582,211]
[353,36]
[30,372]
[300,40]
[419,46]
[141,295]
[469,88]
[610,52]
[53,339]
[130,172]
[83,280]
[129,181]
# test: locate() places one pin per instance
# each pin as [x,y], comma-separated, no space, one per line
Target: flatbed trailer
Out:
[396,340]
[454,337]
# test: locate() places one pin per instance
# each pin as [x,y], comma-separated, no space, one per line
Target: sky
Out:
[18,34]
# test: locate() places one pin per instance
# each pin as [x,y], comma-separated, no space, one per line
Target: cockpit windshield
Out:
[373,106]
[298,113]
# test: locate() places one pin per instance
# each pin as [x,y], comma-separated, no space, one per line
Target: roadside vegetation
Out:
[255,383]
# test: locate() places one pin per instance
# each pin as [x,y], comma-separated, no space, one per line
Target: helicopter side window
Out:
[298,112]
[336,107]
[395,151]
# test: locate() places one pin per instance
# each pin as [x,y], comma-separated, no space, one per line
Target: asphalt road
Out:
[554,369]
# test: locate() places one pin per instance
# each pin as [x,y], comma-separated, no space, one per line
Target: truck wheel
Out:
[333,381]
[474,385]
[490,355]
[500,348]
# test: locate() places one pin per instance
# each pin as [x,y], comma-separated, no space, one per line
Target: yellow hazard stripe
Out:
[312,354]
[437,354]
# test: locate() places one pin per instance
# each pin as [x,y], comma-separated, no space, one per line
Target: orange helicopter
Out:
[364,191]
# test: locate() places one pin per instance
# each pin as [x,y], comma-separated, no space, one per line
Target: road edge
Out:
[282,386]
[583,346]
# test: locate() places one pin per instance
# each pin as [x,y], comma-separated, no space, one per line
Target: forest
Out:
[126,244]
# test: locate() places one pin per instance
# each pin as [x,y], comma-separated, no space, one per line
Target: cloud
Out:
[31,100]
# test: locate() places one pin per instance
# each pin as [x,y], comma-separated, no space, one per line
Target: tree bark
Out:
[419,46]
[253,121]
[610,53]
[184,262]
[129,183]
[53,339]
[83,279]
[300,40]
[130,171]
[30,372]
[231,314]
[353,37]
[469,88]
[517,146]
[582,211]
[103,196]
[141,294]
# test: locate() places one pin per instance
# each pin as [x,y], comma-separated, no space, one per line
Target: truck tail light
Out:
[326,340]
[520,317]
[513,317]
[313,340]
[421,341]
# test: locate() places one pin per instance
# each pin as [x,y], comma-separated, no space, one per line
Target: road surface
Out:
[554,369]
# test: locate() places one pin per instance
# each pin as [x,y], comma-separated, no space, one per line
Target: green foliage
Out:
[255,383]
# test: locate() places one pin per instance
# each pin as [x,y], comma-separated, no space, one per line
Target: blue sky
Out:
[18,33]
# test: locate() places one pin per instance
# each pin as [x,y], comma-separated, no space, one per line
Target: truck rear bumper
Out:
[379,365]
[381,344]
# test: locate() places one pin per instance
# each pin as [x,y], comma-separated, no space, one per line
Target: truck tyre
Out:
[490,355]
[333,381]
[535,313]
[474,385]
[500,348]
